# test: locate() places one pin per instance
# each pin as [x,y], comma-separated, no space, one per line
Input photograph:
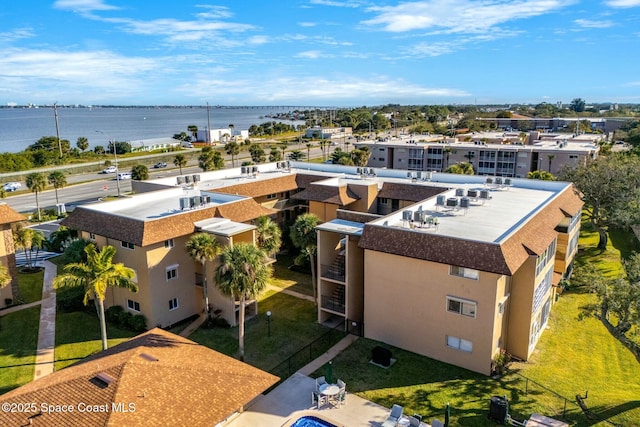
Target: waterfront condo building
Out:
[7,253]
[453,267]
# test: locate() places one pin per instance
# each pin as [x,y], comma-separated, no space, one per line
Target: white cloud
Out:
[458,16]
[258,40]
[587,23]
[83,6]
[319,88]
[310,54]
[334,3]
[623,3]
[17,34]
[432,48]
[307,24]
[214,12]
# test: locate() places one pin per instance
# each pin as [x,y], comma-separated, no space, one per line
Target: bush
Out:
[138,323]
[113,313]
[70,299]
[123,319]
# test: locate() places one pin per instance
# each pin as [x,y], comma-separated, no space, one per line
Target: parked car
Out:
[160,165]
[124,175]
[110,169]
[12,186]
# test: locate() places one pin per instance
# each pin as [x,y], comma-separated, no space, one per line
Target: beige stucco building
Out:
[449,266]
[7,252]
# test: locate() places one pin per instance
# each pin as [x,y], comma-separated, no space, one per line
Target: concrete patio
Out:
[292,399]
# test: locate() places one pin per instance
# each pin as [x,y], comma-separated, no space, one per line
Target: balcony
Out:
[335,271]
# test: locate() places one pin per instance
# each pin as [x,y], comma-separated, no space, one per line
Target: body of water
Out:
[21,127]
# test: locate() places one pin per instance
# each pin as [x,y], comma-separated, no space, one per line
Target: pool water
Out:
[310,421]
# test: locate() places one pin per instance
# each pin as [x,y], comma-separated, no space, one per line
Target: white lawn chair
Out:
[394,416]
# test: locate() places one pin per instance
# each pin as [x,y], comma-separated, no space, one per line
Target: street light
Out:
[115,156]
[269,324]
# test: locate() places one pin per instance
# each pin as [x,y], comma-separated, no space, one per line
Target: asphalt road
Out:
[85,188]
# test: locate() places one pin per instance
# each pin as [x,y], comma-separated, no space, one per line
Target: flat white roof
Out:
[223,226]
[342,226]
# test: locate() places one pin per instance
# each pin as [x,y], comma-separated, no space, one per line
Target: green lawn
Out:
[293,325]
[30,285]
[18,341]
[78,336]
[286,278]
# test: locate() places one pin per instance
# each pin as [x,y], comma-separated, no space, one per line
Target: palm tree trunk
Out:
[205,291]
[103,324]
[38,207]
[57,202]
[241,330]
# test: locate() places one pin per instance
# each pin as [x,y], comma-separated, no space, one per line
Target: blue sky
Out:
[318,52]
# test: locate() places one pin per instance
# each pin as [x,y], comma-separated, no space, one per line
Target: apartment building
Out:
[490,154]
[7,252]
[457,268]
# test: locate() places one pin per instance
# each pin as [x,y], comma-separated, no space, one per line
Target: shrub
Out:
[138,323]
[70,299]
[113,313]
[121,318]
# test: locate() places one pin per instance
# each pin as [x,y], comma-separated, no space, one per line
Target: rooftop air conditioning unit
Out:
[417,216]
[472,193]
[185,203]
[406,215]
[206,199]
[196,178]
[452,202]
[254,169]
[484,194]
[196,201]
[180,180]
[419,175]
[288,164]
[243,170]
[464,202]
[459,192]
[507,181]
[440,200]
[359,171]
[187,179]
[499,181]
[428,176]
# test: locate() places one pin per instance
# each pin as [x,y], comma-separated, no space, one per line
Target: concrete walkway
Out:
[19,307]
[288,292]
[193,326]
[327,356]
[47,331]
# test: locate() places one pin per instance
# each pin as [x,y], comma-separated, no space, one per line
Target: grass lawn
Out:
[30,285]
[18,342]
[285,278]
[78,336]
[293,325]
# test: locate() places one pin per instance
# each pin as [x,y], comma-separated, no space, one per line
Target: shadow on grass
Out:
[624,241]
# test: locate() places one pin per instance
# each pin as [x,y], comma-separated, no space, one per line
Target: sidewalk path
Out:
[47,331]
[19,307]
[329,355]
[193,326]
[288,292]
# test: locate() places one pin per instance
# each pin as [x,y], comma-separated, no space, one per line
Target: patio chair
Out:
[342,395]
[320,381]
[413,422]
[318,399]
[394,416]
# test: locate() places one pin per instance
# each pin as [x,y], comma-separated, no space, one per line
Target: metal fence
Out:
[309,352]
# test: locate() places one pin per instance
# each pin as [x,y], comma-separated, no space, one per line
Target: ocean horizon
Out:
[21,127]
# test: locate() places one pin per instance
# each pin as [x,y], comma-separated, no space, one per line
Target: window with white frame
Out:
[168,244]
[545,257]
[467,273]
[172,272]
[459,344]
[133,305]
[173,303]
[461,306]
[384,201]
[127,245]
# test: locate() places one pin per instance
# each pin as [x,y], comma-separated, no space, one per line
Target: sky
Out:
[342,53]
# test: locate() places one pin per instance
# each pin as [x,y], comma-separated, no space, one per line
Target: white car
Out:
[12,186]
[124,175]
[110,169]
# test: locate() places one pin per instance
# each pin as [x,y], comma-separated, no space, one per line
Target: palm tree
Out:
[309,146]
[82,143]
[95,276]
[194,131]
[283,145]
[303,235]
[447,151]
[29,240]
[58,180]
[203,247]
[550,157]
[36,183]
[139,173]
[180,161]
[233,149]
[268,235]
[241,275]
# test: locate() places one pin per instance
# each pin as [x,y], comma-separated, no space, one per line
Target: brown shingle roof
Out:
[168,380]
[504,257]
[261,187]
[409,192]
[337,195]
[8,215]
[143,233]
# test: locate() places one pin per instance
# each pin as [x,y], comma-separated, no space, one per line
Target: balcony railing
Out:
[332,272]
[332,303]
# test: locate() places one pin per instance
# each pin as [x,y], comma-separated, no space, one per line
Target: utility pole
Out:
[55,111]
[208,125]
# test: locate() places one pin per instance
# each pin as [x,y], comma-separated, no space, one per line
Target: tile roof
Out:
[504,257]
[8,215]
[162,379]
[409,191]
[337,195]
[143,233]
[262,187]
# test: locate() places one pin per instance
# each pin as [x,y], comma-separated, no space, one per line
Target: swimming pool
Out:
[311,421]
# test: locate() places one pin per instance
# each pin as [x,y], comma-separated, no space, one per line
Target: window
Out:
[381,149]
[541,290]
[272,196]
[127,245]
[545,257]
[381,159]
[168,244]
[173,304]
[133,305]
[172,272]
[573,156]
[467,273]
[459,344]
[384,201]
[92,236]
[461,306]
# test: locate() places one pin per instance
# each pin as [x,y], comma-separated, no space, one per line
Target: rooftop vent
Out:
[105,378]
[149,357]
